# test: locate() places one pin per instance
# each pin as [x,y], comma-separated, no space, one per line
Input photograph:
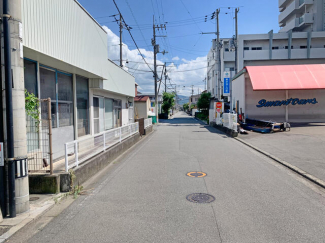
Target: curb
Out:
[286,164]
[32,215]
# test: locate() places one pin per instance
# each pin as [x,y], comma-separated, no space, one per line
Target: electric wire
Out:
[190,14]
[128,29]
[127,2]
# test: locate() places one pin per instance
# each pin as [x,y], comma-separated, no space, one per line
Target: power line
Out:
[136,22]
[190,15]
[189,70]
[128,29]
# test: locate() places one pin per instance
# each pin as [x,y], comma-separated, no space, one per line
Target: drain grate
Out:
[196,174]
[33,199]
[200,198]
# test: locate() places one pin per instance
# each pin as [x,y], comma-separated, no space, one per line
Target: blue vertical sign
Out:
[226,84]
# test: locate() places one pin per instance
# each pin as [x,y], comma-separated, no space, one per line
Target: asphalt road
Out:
[144,198]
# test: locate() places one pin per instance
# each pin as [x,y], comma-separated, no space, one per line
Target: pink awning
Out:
[286,77]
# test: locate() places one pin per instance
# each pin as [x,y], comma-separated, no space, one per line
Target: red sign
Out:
[219,107]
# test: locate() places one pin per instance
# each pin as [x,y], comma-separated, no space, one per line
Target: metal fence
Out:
[39,141]
[78,151]
[230,121]
[147,122]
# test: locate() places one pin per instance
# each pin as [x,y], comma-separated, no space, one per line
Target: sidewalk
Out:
[302,147]
[42,203]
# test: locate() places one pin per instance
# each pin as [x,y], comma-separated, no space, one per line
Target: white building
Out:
[66,58]
[284,48]
[281,93]
[302,15]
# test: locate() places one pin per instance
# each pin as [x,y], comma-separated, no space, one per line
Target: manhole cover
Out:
[196,174]
[33,198]
[200,198]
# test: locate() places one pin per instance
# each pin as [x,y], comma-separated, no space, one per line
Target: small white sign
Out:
[1,155]
[21,30]
[21,49]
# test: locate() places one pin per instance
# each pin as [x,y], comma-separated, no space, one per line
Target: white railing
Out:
[78,151]
[230,121]
[147,122]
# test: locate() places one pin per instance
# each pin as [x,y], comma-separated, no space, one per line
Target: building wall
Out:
[281,41]
[238,92]
[64,31]
[264,113]
[296,113]
[106,94]
[307,113]
[300,15]
[211,72]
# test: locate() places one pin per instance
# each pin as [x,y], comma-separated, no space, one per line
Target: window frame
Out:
[56,71]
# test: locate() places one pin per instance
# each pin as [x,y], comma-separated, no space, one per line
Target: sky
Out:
[185,21]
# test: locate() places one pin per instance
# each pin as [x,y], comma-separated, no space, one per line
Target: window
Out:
[109,114]
[82,106]
[286,47]
[212,73]
[246,48]
[65,100]
[57,86]
[303,47]
[256,48]
[48,90]
[227,49]
[232,69]
[98,106]
[118,112]
[30,74]
[30,79]
[275,48]
[96,114]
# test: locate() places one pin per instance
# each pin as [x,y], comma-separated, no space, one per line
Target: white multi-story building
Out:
[284,48]
[302,15]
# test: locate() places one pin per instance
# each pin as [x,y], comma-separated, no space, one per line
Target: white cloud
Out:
[144,77]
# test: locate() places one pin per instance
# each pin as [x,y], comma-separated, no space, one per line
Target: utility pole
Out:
[156,51]
[120,24]
[165,78]
[192,89]
[236,40]
[121,30]
[236,56]
[155,47]
[205,83]
[176,96]
[219,57]
[14,91]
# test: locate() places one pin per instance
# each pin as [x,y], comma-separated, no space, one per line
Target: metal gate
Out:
[39,140]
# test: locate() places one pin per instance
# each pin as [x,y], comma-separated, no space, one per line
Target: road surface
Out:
[144,198]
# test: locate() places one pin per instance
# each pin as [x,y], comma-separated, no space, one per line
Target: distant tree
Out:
[204,102]
[186,107]
[168,102]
